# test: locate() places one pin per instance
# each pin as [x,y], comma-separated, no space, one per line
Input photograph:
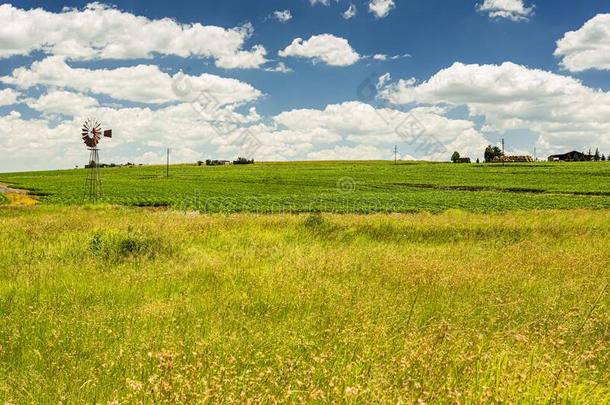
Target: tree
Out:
[603,157]
[488,154]
[478,161]
[455,157]
[597,156]
[243,161]
[492,152]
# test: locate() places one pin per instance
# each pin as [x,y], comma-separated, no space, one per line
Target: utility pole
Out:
[395,154]
[503,146]
[535,155]
[167,167]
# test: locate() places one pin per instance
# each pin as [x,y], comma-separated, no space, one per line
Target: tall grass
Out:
[102,304]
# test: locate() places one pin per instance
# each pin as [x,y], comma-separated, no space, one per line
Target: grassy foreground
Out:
[102,304]
[336,187]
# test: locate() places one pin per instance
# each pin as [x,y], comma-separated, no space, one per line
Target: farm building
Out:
[573,156]
[464,160]
[513,159]
[217,162]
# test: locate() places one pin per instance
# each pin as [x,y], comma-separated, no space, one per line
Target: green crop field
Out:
[340,187]
[265,284]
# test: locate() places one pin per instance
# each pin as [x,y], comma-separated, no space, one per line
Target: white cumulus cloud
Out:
[359,152]
[282,16]
[8,97]
[139,133]
[63,102]
[588,47]
[141,83]
[514,10]
[101,32]
[381,8]
[362,124]
[350,12]
[322,2]
[560,110]
[351,130]
[327,48]
[384,57]
[279,68]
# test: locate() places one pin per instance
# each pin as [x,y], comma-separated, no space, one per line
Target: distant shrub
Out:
[95,244]
[314,221]
[117,246]
[320,227]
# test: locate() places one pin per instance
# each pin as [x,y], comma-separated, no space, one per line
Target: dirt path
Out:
[16,197]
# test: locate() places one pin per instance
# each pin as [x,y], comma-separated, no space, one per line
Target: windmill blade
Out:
[91,132]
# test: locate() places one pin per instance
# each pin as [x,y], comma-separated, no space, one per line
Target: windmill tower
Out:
[91,135]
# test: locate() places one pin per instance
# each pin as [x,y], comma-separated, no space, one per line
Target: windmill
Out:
[91,135]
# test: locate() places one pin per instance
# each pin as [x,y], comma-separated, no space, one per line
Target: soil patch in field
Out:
[16,197]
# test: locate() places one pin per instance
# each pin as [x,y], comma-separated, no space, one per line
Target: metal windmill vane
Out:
[91,134]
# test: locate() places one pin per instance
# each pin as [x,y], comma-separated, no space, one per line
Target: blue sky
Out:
[468,72]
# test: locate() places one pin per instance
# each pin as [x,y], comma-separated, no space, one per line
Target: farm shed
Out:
[573,156]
